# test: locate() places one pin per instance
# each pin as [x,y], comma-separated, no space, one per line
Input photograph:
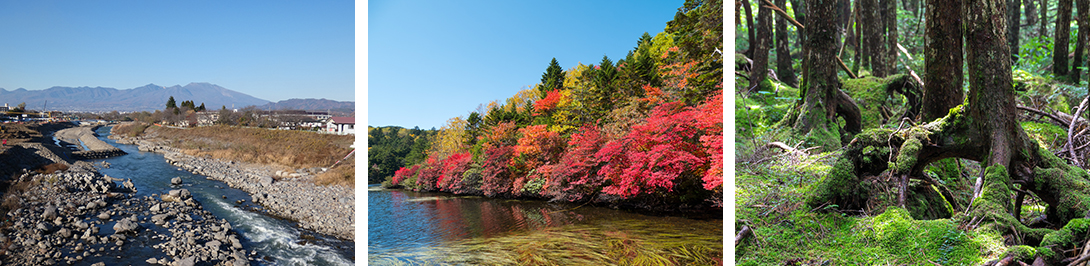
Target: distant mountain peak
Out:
[145,98]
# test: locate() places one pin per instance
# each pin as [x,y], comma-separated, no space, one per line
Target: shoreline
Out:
[293,196]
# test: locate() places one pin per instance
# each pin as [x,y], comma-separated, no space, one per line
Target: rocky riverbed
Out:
[79,215]
[288,194]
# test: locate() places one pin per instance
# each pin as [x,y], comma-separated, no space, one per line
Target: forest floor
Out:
[772,185]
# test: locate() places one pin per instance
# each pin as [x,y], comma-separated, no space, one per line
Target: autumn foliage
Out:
[645,131]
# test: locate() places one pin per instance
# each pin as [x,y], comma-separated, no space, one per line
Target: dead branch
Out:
[783,146]
[1071,128]
[1080,260]
[910,72]
[746,231]
[1054,118]
[845,68]
[782,13]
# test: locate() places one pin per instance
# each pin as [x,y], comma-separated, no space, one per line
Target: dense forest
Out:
[912,132]
[391,148]
[644,131]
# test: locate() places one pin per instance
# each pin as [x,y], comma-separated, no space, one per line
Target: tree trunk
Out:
[942,58]
[1014,20]
[752,31]
[823,100]
[872,36]
[1061,39]
[1042,26]
[984,130]
[858,42]
[764,42]
[800,15]
[1080,43]
[1031,13]
[889,35]
[783,51]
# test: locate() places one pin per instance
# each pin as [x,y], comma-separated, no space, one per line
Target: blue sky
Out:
[273,50]
[429,61]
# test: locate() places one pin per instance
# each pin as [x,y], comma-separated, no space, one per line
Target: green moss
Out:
[906,158]
[1074,230]
[840,185]
[871,93]
[1069,183]
[1021,252]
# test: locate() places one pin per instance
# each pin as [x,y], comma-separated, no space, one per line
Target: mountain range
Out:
[145,98]
[311,105]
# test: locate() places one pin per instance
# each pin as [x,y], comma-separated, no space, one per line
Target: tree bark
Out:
[858,41]
[889,36]
[823,100]
[764,42]
[752,31]
[872,31]
[942,58]
[1014,20]
[1080,43]
[1031,13]
[784,68]
[1061,39]
[1042,25]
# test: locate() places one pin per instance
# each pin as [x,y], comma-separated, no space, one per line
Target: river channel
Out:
[276,241]
[410,228]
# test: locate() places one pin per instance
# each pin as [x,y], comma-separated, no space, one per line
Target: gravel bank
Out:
[78,214]
[290,195]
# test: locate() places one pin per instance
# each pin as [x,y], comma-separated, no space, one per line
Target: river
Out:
[276,241]
[406,227]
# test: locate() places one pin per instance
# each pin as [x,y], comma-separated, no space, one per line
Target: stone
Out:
[266,181]
[125,225]
[129,185]
[80,225]
[214,244]
[152,261]
[188,261]
[104,216]
[45,227]
[155,208]
[50,213]
[176,181]
[64,232]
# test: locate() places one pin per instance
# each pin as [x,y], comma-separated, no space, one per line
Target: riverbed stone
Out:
[125,225]
[176,181]
[49,213]
[266,181]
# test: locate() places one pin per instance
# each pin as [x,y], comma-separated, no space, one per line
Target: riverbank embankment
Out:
[293,195]
[87,143]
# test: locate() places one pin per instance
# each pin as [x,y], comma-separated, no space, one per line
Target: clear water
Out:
[277,241]
[406,227]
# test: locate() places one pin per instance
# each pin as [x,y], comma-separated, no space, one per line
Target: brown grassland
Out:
[279,148]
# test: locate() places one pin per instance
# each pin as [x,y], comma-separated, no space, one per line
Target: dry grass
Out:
[294,149]
[130,129]
[51,168]
[342,175]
